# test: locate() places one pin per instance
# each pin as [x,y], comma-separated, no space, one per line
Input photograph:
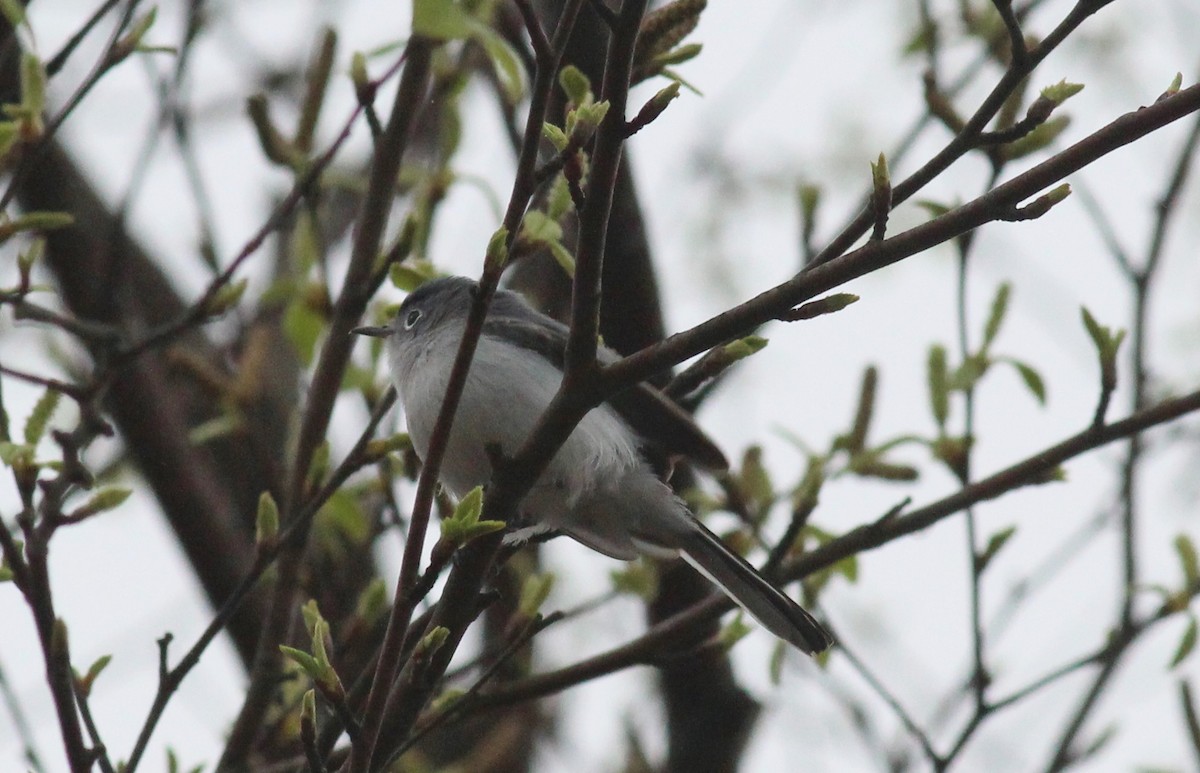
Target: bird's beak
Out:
[374,332]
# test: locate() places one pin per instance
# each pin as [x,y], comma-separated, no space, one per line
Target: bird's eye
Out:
[412,318]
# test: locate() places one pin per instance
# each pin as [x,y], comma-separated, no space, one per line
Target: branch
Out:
[678,630]
[602,181]
[873,256]
[966,139]
[401,702]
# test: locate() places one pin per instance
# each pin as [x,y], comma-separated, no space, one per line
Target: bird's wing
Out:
[650,413]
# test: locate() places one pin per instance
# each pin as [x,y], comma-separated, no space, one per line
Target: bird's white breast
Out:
[506,392]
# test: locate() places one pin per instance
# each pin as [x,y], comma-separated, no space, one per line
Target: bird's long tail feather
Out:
[763,601]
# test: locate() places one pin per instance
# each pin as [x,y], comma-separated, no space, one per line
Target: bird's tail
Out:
[763,601]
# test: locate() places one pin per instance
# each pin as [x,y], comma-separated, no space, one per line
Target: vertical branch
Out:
[357,291]
[978,680]
[964,141]
[1141,279]
[602,181]
[382,700]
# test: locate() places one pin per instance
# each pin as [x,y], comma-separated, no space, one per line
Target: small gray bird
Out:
[598,488]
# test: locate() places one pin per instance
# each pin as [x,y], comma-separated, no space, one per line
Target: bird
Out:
[599,488]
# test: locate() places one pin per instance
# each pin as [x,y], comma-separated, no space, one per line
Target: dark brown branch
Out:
[1191,720]
[679,630]
[453,615]
[1016,39]
[875,255]
[965,140]
[327,378]
[602,180]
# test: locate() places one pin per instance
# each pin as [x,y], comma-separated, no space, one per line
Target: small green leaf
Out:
[308,706]
[808,491]
[590,116]
[507,66]
[744,347]
[856,440]
[775,666]
[132,40]
[343,513]
[556,136]
[735,631]
[1102,740]
[994,544]
[1098,333]
[226,297]
[464,525]
[470,507]
[559,202]
[319,464]
[303,326]
[1039,138]
[440,20]
[33,84]
[35,221]
[446,700]
[1062,91]
[84,683]
[1186,550]
[220,426]
[377,449]
[30,256]
[953,452]
[102,501]
[39,418]
[810,199]
[881,178]
[277,148]
[10,135]
[1107,345]
[827,305]
[372,602]
[563,257]
[637,578]
[321,638]
[15,454]
[534,592]
[967,375]
[754,479]
[497,250]
[1187,643]
[13,12]
[411,274]
[266,522]
[684,53]
[432,641]
[538,228]
[934,208]
[996,317]
[847,567]
[939,384]
[666,27]
[310,612]
[655,106]
[1173,89]
[305,243]
[869,466]
[301,658]
[359,75]
[575,85]
[1032,379]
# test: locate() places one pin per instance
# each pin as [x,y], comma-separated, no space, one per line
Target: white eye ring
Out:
[412,318]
